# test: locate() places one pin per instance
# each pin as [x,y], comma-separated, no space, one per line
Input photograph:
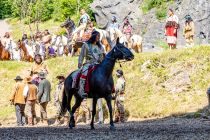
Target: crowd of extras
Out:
[51,45]
[35,89]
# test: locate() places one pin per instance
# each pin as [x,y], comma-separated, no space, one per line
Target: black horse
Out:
[70,27]
[101,84]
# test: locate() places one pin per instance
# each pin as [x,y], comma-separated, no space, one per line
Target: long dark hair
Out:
[188,19]
[93,38]
[170,9]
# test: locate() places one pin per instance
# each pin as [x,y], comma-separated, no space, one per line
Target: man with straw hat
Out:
[30,93]
[18,100]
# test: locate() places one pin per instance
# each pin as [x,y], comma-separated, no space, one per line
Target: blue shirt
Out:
[114,25]
[84,18]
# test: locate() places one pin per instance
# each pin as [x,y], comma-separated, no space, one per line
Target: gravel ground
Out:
[170,128]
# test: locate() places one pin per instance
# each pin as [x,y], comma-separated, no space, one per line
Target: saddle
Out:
[87,34]
[77,75]
[85,37]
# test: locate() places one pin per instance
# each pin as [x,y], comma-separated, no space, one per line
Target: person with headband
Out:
[93,53]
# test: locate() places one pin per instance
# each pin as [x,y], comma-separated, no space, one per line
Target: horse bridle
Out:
[118,61]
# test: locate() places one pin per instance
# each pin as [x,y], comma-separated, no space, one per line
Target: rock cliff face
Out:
[147,25]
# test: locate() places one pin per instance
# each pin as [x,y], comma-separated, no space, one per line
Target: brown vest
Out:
[18,94]
[32,92]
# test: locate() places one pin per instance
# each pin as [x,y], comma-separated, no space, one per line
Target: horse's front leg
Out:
[74,108]
[93,113]
[109,104]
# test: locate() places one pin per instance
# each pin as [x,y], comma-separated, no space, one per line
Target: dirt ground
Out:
[159,129]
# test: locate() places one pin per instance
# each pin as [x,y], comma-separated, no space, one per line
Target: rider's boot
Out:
[82,88]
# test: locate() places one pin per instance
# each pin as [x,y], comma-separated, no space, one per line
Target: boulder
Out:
[148,26]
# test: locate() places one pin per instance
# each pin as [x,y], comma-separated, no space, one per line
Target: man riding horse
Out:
[93,52]
[7,43]
[82,24]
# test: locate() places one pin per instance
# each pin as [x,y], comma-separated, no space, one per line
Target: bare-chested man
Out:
[46,38]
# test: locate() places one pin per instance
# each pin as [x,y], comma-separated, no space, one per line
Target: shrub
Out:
[160,5]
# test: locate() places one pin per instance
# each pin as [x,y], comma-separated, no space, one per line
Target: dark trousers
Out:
[19,109]
[43,111]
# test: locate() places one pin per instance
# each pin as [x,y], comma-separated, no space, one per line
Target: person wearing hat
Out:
[30,93]
[93,53]
[39,66]
[189,31]
[18,100]
[119,97]
[43,96]
[58,97]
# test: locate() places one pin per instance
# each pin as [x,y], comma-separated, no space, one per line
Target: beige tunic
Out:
[95,57]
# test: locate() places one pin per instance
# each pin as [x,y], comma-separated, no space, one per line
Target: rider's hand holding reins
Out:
[79,65]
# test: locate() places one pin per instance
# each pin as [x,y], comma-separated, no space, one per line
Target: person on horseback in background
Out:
[46,38]
[114,24]
[119,97]
[39,66]
[88,31]
[127,29]
[82,23]
[25,38]
[7,43]
[93,52]
[111,29]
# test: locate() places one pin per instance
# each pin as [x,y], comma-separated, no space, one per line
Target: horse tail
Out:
[63,104]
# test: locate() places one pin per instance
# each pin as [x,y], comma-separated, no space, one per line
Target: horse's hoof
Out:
[112,128]
[92,128]
[71,126]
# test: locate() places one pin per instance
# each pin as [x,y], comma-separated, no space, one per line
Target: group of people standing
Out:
[34,89]
[27,93]
[172,26]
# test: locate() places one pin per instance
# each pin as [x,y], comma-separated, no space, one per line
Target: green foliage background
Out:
[160,5]
[43,10]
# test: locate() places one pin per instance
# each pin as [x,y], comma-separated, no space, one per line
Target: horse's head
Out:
[19,44]
[121,52]
[68,24]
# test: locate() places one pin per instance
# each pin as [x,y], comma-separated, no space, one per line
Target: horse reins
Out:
[118,61]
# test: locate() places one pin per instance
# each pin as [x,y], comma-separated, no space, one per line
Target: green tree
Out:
[5,8]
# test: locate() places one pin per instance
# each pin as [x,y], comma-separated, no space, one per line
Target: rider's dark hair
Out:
[37,56]
[93,38]
[170,9]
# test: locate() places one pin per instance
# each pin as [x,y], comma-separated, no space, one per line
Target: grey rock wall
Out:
[151,29]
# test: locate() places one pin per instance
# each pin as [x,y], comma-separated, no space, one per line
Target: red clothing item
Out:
[127,29]
[170,31]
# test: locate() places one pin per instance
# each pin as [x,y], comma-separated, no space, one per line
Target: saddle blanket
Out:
[77,75]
